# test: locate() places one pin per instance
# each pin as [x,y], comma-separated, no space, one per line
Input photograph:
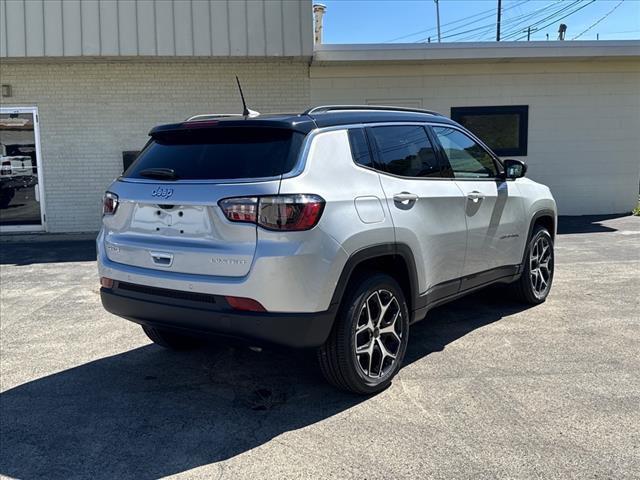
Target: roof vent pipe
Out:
[318,13]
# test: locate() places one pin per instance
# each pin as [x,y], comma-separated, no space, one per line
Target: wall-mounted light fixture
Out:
[6,90]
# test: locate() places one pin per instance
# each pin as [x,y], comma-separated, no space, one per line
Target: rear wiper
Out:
[159,173]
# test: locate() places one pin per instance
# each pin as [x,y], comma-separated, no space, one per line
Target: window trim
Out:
[523,124]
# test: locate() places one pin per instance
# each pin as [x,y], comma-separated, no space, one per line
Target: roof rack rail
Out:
[212,115]
[331,108]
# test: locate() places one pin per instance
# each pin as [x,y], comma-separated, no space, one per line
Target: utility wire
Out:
[601,19]
[555,8]
[561,18]
[548,17]
[512,22]
[491,14]
[525,17]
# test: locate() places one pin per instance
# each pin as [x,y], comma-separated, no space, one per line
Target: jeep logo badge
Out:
[162,192]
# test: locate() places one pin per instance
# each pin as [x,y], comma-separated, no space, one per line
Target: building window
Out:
[503,128]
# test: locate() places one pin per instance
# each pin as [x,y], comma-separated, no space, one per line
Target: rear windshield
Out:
[220,153]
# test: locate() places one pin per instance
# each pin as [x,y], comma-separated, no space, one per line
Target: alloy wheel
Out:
[540,266]
[378,334]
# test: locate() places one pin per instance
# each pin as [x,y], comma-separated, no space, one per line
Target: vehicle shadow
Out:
[29,253]
[147,412]
[586,223]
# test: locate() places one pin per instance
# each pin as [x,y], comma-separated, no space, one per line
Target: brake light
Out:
[109,203]
[6,167]
[246,304]
[292,213]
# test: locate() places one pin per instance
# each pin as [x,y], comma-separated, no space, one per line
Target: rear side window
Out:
[406,150]
[220,153]
[360,147]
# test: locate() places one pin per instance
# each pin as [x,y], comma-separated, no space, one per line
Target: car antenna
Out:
[247,112]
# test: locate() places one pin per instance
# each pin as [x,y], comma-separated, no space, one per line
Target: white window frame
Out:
[40,188]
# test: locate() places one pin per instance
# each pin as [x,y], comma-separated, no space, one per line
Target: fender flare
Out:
[539,214]
[381,250]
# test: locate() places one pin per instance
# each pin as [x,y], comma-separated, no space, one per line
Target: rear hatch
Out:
[167,215]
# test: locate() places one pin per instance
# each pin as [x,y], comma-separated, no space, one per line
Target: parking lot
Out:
[490,389]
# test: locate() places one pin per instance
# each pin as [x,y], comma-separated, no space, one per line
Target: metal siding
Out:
[90,27]
[236,28]
[3,30]
[201,27]
[238,33]
[16,40]
[109,41]
[53,46]
[128,27]
[256,28]
[164,28]
[306,28]
[145,13]
[34,20]
[220,28]
[183,27]
[72,32]
[291,22]
[273,26]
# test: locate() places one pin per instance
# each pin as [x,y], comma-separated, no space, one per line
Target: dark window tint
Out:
[467,158]
[221,153]
[360,147]
[406,151]
[503,128]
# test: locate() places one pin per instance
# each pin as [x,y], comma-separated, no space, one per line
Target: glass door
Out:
[21,205]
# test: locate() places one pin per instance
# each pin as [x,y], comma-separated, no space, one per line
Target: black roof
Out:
[317,117]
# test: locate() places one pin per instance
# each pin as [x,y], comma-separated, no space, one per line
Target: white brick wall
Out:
[584,117]
[92,111]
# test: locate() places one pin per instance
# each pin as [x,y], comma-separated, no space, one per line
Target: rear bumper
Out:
[211,315]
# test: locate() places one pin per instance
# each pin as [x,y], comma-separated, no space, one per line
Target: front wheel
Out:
[535,282]
[369,338]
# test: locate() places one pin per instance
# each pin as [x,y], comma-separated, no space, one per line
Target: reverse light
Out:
[245,304]
[292,213]
[109,203]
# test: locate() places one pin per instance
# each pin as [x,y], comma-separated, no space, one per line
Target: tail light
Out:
[109,203]
[291,213]
[6,168]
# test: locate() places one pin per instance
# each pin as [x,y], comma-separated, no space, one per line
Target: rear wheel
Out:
[369,338]
[535,282]
[170,340]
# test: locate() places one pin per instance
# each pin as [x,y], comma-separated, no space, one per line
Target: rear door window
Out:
[406,150]
[220,153]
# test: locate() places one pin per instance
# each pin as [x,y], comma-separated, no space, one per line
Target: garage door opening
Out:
[21,199]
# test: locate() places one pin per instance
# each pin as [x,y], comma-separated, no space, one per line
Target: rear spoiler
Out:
[305,125]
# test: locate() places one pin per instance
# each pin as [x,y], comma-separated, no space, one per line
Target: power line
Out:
[475,21]
[597,22]
[561,18]
[513,33]
[515,26]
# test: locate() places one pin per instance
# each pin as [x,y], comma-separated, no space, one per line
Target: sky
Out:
[408,21]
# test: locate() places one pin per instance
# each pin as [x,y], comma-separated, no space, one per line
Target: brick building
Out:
[84,81]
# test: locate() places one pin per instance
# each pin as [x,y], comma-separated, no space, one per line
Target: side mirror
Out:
[514,168]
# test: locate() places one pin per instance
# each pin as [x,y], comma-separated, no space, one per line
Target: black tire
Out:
[527,288]
[170,340]
[337,357]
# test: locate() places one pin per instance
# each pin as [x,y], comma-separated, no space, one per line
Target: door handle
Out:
[405,197]
[475,196]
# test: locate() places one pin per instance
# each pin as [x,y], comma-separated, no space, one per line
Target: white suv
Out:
[335,229]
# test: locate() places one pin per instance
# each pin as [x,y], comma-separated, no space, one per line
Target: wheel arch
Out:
[395,259]
[544,217]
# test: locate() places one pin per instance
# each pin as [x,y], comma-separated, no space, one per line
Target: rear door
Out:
[493,207]
[168,216]
[426,205]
